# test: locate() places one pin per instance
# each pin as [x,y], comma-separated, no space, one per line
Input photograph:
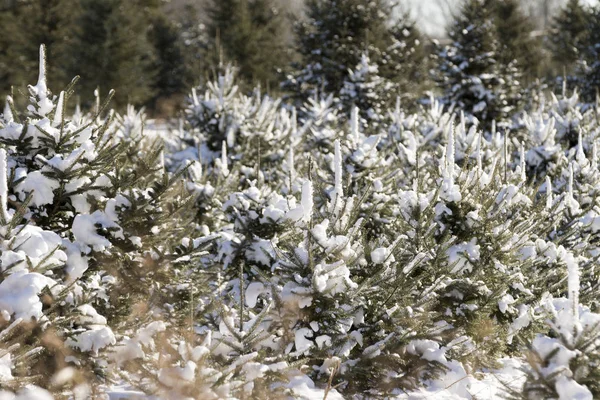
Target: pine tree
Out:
[469,72]
[406,60]
[368,91]
[26,25]
[569,36]
[590,68]
[335,35]
[196,46]
[514,30]
[85,205]
[251,35]
[111,49]
[171,70]
[560,361]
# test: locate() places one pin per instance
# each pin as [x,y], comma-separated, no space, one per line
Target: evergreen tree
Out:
[514,30]
[111,49]
[26,24]
[568,36]
[368,91]
[406,59]
[169,65]
[334,36]
[469,72]
[196,46]
[251,35]
[590,68]
[77,195]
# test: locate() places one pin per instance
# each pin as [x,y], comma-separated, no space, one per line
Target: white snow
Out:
[307,200]
[253,290]
[85,229]
[19,294]
[379,255]
[41,186]
[93,340]
[3,186]
[463,256]
[338,191]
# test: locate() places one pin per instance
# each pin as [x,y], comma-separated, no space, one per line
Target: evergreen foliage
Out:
[568,37]
[84,201]
[590,69]
[251,35]
[514,31]
[335,35]
[172,71]
[133,45]
[25,25]
[195,46]
[112,47]
[470,73]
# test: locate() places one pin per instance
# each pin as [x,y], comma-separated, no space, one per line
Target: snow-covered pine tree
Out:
[334,36]
[469,72]
[195,42]
[568,37]
[224,126]
[88,238]
[562,362]
[250,34]
[366,89]
[405,60]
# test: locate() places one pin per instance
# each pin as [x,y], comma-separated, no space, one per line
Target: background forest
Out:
[152,51]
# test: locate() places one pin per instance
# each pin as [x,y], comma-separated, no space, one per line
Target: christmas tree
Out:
[469,70]
[336,34]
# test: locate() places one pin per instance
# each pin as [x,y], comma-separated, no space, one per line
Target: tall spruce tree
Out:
[405,60]
[590,66]
[251,35]
[335,34]
[169,63]
[514,30]
[469,72]
[111,50]
[196,45]
[568,36]
[26,24]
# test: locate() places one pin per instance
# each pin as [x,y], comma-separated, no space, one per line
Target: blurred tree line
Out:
[151,51]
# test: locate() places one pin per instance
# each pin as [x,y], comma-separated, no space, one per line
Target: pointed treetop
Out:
[3,187]
[8,115]
[292,170]
[580,154]
[450,154]
[549,199]
[354,124]
[523,163]
[224,164]
[307,200]
[479,163]
[41,86]
[58,114]
[337,161]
